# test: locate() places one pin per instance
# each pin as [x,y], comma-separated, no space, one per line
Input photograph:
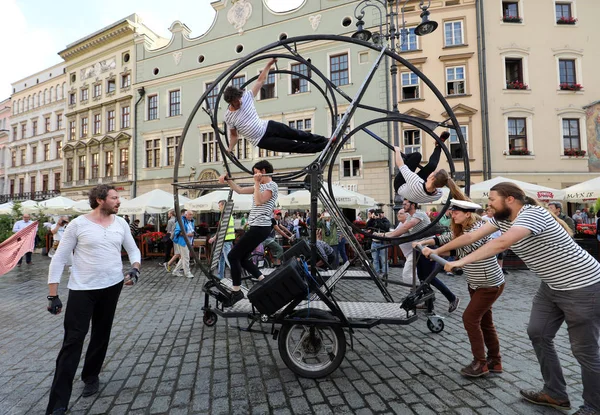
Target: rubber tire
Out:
[435,328]
[340,338]
[210,318]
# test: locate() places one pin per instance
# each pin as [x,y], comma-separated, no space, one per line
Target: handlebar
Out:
[439,260]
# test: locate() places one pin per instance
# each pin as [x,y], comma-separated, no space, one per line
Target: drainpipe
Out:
[390,138]
[142,92]
[485,131]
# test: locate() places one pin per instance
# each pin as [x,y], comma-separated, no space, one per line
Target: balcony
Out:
[37,196]
[80,182]
[123,178]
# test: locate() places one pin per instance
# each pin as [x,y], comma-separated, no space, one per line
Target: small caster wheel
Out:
[210,318]
[435,324]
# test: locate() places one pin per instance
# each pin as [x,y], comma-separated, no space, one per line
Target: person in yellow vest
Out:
[227,245]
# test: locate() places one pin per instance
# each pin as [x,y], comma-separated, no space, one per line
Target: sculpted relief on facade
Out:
[239,14]
[98,68]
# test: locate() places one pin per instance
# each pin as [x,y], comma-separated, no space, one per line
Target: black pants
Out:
[425,268]
[239,256]
[280,137]
[27,258]
[412,161]
[168,248]
[82,306]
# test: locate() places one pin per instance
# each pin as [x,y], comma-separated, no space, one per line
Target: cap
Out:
[277,212]
[463,205]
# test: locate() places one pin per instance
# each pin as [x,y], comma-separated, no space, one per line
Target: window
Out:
[210,149]
[410,86]
[299,84]
[47,124]
[517,135]
[412,141]
[34,129]
[110,120]
[567,73]
[34,154]
[110,86]
[57,181]
[97,124]
[510,11]
[71,130]
[339,69]
[82,161]
[22,157]
[108,164]
[349,144]
[455,147]
[238,81]
[411,43]
[172,143]
[564,12]
[95,160]
[21,185]
[14,133]
[152,107]
[153,153]
[44,183]
[32,184]
[174,103]
[84,94]
[126,80]
[455,80]
[211,98]
[124,162]
[453,33]
[59,121]
[70,169]
[514,73]
[97,90]
[13,157]
[268,89]
[571,134]
[351,168]
[46,152]
[125,117]
[72,98]
[243,149]
[12,187]
[23,130]
[59,149]
[84,127]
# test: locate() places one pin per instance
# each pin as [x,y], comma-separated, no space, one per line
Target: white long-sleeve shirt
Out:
[96,252]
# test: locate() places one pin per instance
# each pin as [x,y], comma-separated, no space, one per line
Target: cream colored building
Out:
[542,45]
[100,107]
[34,161]
[5,111]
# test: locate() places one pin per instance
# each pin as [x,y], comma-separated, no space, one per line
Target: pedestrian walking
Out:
[95,241]
[168,238]
[178,240]
[22,224]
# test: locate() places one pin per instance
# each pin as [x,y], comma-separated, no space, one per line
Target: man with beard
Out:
[95,241]
[569,290]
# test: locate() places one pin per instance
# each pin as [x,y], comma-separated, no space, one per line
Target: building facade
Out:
[37,125]
[100,104]
[5,112]
[540,67]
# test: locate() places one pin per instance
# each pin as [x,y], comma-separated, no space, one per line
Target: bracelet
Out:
[52,297]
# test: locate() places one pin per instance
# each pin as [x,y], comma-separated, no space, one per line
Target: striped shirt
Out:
[550,252]
[483,273]
[246,120]
[260,215]
[414,188]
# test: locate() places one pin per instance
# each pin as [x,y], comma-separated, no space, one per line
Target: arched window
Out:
[58,92]
[51,94]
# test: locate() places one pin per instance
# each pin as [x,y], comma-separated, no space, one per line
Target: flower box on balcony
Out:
[570,87]
[573,152]
[519,152]
[512,19]
[516,85]
[566,20]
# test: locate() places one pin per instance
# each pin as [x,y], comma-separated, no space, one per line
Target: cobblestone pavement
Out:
[162,359]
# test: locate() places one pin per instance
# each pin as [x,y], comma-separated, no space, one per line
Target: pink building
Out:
[5,113]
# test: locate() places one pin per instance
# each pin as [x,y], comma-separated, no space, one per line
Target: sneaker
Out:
[167,267]
[178,274]
[190,276]
[494,365]
[475,369]
[542,398]
[586,410]
[234,298]
[161,264]
[454,305]
[91,388]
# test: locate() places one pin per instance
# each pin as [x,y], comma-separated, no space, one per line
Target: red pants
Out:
[477,319]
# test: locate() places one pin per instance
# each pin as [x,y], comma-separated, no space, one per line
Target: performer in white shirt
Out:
[95,241]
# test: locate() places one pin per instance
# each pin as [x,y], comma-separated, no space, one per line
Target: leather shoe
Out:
[91,388]
[59,411]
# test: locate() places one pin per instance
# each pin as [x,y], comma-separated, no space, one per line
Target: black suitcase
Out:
[279,288]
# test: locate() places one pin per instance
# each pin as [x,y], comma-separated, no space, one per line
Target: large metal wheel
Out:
[312,351]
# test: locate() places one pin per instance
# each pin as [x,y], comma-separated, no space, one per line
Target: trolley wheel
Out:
[435,324]
[210,318]
[312,351]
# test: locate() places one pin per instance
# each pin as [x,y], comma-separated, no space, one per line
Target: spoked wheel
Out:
[435,324]
[210,318]
[312,351]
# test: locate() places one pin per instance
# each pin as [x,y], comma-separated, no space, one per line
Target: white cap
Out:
[464,205]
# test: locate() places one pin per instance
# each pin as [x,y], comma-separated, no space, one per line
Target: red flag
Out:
[16,246]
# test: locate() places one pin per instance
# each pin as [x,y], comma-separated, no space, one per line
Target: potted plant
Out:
[516,85]
[570,87]
[512,19]
[519,152]
[566,20]
[153,239]
[573,152]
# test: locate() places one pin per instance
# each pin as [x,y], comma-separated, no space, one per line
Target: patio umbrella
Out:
[30,206]
[6,208]
[481,191]
[583,192]
[57,205]
[210,202]
[155,201]
[343,197]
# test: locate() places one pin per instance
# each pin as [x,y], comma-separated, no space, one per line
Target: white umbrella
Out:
[343,197]
[57,205]
[81,206]
[481,191]
[30,206]
[583,192]
[155,201]
[6,208]
[210,202]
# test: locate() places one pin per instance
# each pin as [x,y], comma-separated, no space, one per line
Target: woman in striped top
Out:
[486,283]
[264,196]
[569,291]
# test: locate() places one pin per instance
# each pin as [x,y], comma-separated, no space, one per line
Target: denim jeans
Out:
[342,250]
[227,245]
[379,256]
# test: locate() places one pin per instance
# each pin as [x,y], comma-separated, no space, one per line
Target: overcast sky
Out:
[34,31]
